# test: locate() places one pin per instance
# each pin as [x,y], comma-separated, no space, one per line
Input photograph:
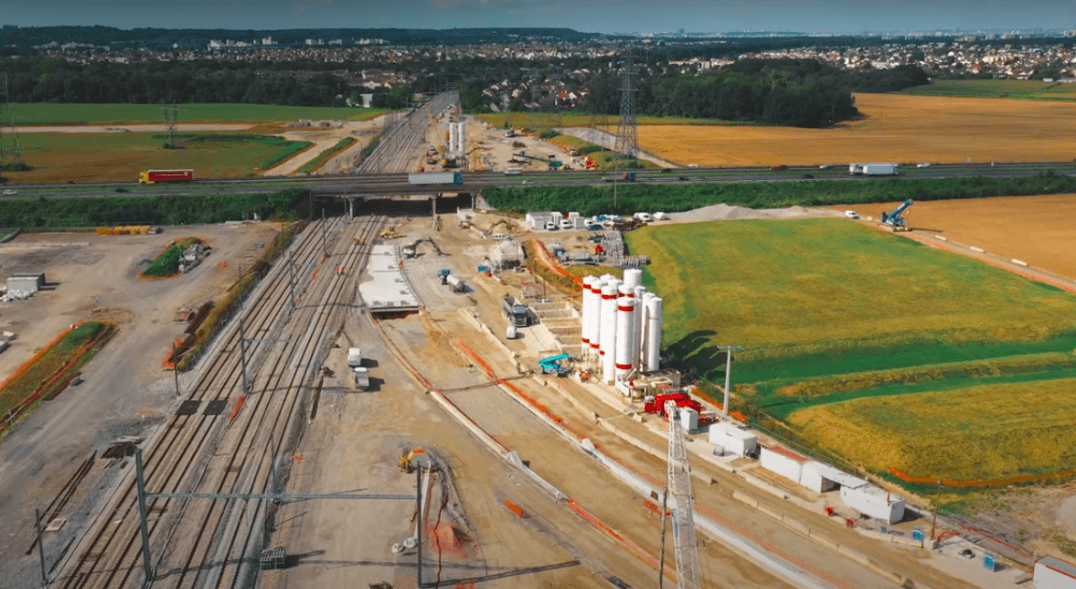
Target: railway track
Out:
[224,445]
[398,146]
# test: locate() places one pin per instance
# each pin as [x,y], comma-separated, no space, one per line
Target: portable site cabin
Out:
[874,501]
[732,439]
[783,461]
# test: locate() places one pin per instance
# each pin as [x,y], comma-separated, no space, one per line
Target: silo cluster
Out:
[621,325]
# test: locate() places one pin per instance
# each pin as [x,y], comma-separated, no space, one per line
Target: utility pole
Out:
[937,501]
[728,375]
[175,367]
[661,557]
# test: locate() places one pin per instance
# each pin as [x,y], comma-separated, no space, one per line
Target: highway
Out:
[396,184]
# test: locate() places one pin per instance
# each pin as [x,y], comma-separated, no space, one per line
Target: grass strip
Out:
[315,164]
[167,262]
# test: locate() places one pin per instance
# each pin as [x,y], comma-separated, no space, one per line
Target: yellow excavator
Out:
[407,457]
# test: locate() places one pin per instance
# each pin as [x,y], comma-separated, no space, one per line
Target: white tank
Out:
[653,333]
[584,319]
[633,277]
[637,326]
[625,339]
[510,333]
[451,137]
[644,313]
[461,137]
[608,334]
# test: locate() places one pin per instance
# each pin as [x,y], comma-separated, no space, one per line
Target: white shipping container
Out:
[689,418]
[732,439]
[1054,573]
[875,502]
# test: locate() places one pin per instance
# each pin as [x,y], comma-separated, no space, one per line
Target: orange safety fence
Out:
[1024,478]
[550,261]
[238,404]
[1019,550]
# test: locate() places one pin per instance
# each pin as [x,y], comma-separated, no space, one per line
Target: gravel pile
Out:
[724,212]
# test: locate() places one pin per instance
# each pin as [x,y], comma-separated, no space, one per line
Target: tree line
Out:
[795,92]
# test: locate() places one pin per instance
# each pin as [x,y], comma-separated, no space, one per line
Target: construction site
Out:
[405,400]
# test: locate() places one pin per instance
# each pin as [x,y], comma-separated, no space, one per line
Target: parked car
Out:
[550,226]
[594,227]
[923,165]
[851,214]
[10,192]
[824,167]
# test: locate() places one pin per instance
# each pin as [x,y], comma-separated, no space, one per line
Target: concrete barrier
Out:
[821,537]
[1019,262]
[745,499]
[796,525]
[763,509]
[852,554]
[765,486]
[977,249]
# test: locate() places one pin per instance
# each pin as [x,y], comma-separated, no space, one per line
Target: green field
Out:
[48,113]
[1026,89]
[834,315]
[97,157]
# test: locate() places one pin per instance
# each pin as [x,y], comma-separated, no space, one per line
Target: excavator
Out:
[553,164]
[406,458]
[894,221]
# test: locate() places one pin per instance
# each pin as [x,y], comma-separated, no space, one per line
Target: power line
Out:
[627,136]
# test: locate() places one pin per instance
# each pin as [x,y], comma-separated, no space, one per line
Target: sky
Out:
[603,16]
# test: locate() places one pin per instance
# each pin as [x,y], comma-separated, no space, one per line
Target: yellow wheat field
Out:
[986,432]
[897,128]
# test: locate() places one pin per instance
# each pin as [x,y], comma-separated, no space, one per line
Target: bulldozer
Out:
[405,460]
[391,233]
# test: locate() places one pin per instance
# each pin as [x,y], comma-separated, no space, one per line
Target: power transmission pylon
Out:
[627,136]
[686,548]
[170,112]
[7,127]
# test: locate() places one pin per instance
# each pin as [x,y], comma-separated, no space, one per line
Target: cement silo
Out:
[608,331]
[633,277]
[584,319]
[452,132]
[594,318]
[625,337]
[638,327]
[461,138]
[652,356]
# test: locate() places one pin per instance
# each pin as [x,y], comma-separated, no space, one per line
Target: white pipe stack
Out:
[652,357]
[608,331]
[625,338]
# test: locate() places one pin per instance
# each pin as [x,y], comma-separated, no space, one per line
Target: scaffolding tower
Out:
[686,548]
[627,135]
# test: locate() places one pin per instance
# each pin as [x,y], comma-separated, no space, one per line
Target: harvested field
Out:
[1001,225]
[983,432]
[900,128]
[92,157]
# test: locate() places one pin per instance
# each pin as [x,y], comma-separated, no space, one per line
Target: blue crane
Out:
[895,219]
[551,365]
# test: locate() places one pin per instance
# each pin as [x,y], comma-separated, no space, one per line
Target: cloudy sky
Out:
[839,16]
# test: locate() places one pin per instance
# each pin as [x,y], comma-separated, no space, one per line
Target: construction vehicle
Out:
[154,176]
[894,221]
[518,314]
[391,234]
[354,357]
[362,378]
[552,163]
[435,178]
[443,274]
[626,176]
[406,458]
[552,365]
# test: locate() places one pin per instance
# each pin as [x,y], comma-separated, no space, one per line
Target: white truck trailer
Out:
[354,357]
[873,169]
[435,178]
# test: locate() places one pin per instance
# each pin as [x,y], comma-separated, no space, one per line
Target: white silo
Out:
[608,333]
[624,337]
[638,327]
[633,277]
[653,333]
[594,318]
[584,319]
[461,137]
[451,137]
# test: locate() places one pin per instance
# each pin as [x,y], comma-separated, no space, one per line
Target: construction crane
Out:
[894,219]
[685,544]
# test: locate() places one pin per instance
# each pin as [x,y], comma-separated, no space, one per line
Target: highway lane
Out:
[398,185]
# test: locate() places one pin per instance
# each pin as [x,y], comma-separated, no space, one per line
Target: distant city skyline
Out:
[639,16]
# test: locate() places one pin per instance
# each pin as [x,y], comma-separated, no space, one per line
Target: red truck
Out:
[155,176]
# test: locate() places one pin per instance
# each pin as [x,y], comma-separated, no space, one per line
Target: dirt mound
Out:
[724,212]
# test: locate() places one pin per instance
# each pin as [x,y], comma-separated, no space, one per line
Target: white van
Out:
[644,217]
[550,225]
[567,224]
[513,172]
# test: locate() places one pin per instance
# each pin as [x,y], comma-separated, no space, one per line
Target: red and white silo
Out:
[638,327]
[594,318]
[625,337]
[584,319]
[607,348]
[633,277]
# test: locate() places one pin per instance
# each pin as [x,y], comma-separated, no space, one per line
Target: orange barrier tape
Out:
[1024,478]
